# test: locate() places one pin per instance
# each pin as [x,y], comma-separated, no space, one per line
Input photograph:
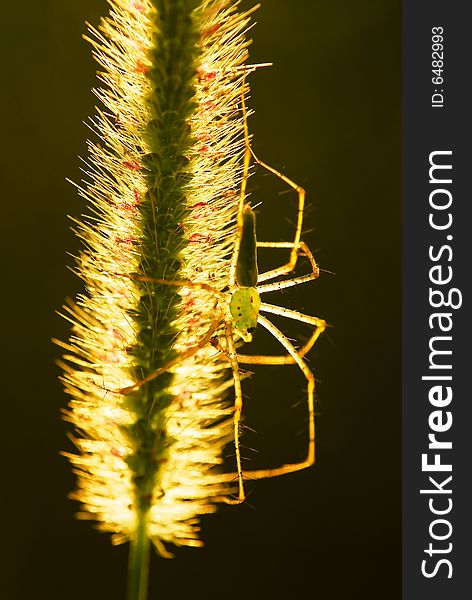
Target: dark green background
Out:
[328,115]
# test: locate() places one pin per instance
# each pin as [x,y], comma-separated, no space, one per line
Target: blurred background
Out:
[328,115]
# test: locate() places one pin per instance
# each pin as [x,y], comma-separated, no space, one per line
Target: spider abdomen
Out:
[246,265]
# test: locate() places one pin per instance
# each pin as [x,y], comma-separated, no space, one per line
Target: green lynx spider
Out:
[241,309]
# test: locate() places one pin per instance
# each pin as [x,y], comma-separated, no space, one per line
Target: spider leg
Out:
[296,244]
[189,351]
[238,407]
[182,356]
[242,193]
[310,459]
[270,287]
[287,359]
[192,285]
[292,314]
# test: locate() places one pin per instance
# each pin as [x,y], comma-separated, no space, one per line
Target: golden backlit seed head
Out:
[99,361]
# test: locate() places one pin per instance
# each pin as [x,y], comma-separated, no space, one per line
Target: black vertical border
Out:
[428,129]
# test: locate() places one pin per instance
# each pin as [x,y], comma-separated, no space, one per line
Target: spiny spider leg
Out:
[242,193]
[215,324]
[182,356]
[238,407]
[260,359]
[320,326]
[177,283]
[292,314]
[295,245]
[310,459]
[315,271]
[206,339]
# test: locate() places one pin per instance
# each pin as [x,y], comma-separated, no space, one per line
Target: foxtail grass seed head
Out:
[162,182]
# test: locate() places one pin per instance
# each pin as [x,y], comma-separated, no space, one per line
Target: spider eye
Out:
[251,329]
